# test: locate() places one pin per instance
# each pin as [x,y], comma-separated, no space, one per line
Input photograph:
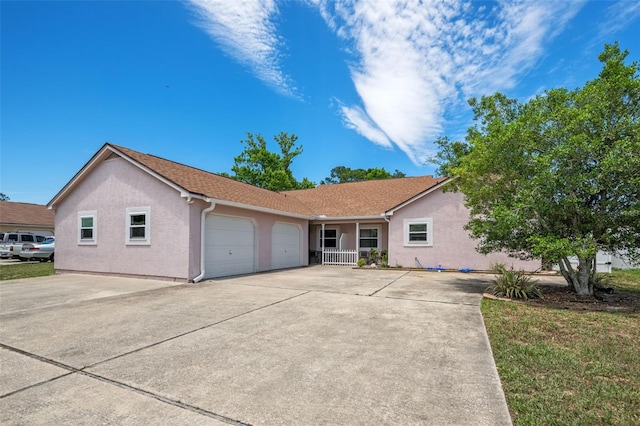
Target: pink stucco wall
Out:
[195,214]
[263,223]
[175,249]
[112,187]
[452,247]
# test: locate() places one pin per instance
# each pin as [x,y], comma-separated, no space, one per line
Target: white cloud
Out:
[245,30]
[619,15]
[414,60]
[355,118]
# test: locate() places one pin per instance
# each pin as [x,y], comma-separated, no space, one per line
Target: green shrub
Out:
[513,284]
[373,254]
[361,262]
[497,268]
[601,282]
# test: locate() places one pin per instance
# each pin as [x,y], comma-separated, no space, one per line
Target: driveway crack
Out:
[389,283]
[186,333]
[72,370]
[82,371]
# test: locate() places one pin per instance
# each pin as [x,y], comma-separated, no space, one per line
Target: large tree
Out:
[342,174]
[258,166]
[557,176]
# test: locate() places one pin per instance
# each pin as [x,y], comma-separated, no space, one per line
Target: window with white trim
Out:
[330,238]
[369,237]
[418,232]
[87,227]
[138,226]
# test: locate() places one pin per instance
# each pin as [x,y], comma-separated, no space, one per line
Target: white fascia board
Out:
[417,197]
[183,192]
[345,218]
[98,156]
[102,155]
[260,209]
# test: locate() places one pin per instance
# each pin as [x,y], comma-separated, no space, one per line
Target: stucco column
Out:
[357,240]
[322,243]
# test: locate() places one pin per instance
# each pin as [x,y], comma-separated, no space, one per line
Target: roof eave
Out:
[417,197]
[261,209]
[334,218]
[101,155]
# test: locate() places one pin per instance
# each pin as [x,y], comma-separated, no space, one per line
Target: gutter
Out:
[203,216]
[344,218]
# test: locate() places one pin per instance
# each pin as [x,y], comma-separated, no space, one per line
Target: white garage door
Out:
[229,246]
[285,246]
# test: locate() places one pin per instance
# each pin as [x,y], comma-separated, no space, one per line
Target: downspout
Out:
[203,217]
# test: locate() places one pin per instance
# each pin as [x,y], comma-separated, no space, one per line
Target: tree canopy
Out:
[557,176]
[342,174]
[258,166]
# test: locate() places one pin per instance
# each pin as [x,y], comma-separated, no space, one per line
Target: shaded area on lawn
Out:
[566,367]
[569,359]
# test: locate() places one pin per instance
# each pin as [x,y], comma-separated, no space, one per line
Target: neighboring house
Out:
[26,217]
[606,262]
[622,261]
[129,213]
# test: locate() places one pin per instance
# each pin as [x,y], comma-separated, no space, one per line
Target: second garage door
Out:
[285,246]
[229,246]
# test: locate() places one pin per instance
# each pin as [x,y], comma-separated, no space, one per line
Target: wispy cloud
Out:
[355,118]
[414,60]
[245,30]
[619,15]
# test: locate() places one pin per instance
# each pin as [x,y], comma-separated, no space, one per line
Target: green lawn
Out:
[562,367]
[628,280]
[26,270]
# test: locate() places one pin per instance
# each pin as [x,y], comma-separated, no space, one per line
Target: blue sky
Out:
[361,83]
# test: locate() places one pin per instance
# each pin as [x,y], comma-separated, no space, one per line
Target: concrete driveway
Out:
[317,345]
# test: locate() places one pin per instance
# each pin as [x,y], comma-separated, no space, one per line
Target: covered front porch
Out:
[336,242]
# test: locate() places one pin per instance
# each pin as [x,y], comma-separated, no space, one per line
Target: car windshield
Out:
[49,241]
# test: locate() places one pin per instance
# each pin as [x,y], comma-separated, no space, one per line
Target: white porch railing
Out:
[339,257]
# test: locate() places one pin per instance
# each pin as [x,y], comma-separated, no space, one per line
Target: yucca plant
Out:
[513,284]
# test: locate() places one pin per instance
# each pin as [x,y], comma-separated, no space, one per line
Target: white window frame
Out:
[328,228]
[378,238]
[94,228]
[419,221]
[136,211]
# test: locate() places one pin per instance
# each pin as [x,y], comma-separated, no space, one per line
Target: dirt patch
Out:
[563,297]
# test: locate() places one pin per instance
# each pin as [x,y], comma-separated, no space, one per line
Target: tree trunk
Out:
[583,279]
[586,275]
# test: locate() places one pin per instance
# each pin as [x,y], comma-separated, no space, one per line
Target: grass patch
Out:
[26,270]
[563,367]
[623,279]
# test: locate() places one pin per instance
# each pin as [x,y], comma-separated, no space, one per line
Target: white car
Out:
[11,242]
[43,251]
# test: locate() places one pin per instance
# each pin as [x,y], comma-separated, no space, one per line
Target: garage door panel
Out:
[285,246]
[229,246]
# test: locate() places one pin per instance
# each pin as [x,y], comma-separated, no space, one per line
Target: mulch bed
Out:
[563,297]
